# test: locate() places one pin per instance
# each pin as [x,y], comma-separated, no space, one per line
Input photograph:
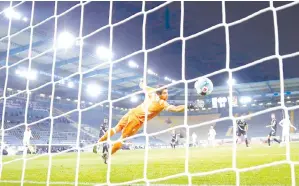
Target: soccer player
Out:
[173,139]
[242,130]
[104,128]
[285,124]
[26,139]
[154,103]
[194,139]
[273,126]
[212,134]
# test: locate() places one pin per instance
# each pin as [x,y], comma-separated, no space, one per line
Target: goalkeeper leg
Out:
[131,127]
[121,124]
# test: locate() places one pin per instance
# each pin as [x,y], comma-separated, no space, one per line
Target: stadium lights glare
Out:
[42,95]
[104,53]
[18,72]
[167,79]
[269,103]
[253,105]
[93,90]
[231,82]
[261,104]
[289,102]
[297,101]
[65,40]
[31,75]
[288,97]
[25,19]
[58,97]
[245,99]
[70,84]
[12,14]
[90,103]
[68,99]
[132,64]
[134,99]
[150,72]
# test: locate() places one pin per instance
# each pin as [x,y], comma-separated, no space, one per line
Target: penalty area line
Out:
[43,183]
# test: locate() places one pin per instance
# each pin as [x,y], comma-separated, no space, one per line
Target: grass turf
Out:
[129,165]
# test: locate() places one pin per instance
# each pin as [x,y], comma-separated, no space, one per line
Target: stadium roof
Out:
[204,54]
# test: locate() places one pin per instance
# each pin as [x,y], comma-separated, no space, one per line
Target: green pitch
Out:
[129,165]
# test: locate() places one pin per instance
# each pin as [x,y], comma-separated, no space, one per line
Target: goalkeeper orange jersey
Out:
[154,107]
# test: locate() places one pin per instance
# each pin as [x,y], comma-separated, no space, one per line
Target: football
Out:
[203,86]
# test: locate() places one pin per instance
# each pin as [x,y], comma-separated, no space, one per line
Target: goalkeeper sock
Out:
[105,137]
[246,141]
[116,147]
[269,141]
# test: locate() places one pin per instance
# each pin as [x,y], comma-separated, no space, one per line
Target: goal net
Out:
[109,66]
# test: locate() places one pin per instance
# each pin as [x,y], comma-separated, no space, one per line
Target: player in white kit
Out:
[194,139]
[26,139]
[285,124]
[212,133]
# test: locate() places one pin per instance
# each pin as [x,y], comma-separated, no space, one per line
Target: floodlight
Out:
[132,64]
[70,84]
[25,19]
[31,75]
[18,72]
[104,53]
[149,71]
[12,14]
[93,90]
[245,99]
[65,40]
[134,99]
[231,82]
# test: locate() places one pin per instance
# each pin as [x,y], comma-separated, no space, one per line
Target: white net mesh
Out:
[111,101]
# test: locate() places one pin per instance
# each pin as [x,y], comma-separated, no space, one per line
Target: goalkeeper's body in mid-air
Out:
[155,102]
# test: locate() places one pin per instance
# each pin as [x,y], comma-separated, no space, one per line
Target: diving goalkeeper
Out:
[130,123]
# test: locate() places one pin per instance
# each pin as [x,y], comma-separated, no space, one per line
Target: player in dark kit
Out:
[103,130]
[242,129]
[273,126]
[173,139]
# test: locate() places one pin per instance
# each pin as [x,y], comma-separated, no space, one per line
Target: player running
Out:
[286,124]
[273,126]
[173,139]
[194,139]
[130,123]
[26,139]
[242,130]
[211,136]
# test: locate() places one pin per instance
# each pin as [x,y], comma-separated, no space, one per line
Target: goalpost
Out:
[111,101]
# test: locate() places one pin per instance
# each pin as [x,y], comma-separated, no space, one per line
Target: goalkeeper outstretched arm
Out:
[170,108]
